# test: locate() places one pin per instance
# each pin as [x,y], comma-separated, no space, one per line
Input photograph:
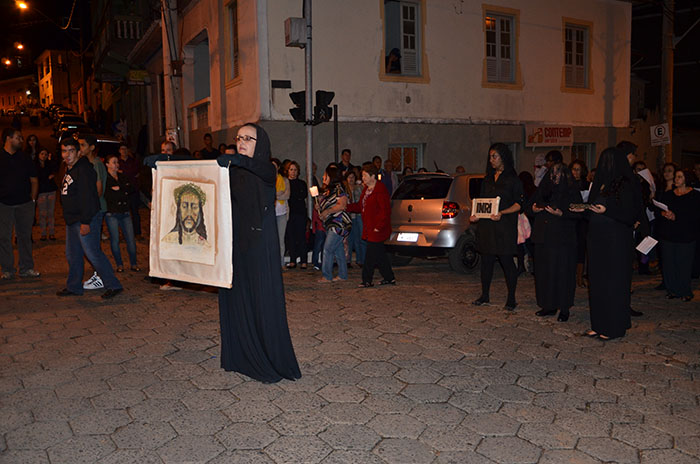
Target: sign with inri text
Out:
[484,207]
[548,136]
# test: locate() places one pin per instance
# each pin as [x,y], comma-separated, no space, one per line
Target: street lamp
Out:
[6,61]
[19,46]
[21,5]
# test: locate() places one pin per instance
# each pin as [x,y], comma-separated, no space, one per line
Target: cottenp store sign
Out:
[549,136]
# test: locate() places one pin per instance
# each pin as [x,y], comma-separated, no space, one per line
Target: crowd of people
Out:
[585,226]
[568,225]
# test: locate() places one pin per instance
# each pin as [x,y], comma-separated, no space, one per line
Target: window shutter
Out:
[505,74]
[409,39]
[492,69]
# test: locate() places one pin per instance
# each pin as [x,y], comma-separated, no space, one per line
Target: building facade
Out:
[17,92]
[428,83]
[58,78]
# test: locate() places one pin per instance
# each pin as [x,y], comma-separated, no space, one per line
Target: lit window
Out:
[500,48]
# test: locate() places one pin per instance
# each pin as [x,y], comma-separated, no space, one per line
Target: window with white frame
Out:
[402,41]
[233,67]
[406,155]
[500,48]
[576,56]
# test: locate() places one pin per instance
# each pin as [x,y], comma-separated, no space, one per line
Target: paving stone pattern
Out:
[410,373]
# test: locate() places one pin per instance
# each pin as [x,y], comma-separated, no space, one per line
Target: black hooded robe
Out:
[255,338]
[555,246]
[610,244]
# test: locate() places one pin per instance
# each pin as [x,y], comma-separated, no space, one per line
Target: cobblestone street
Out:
[405,374]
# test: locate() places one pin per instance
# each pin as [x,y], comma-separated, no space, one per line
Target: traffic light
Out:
[322,111]
[299,100]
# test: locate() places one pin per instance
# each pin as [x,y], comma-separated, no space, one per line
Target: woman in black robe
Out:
[554,236]
[616,202]
[497,237]
[255,338]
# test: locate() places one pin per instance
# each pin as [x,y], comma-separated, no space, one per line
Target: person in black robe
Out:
[554,236]
[616,203]
[255,338]
[579,171]
[497,237]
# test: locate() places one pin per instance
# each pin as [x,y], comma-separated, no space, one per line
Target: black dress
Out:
[296,226]
[610,253]
[555,248]
[255,338]
[500,237]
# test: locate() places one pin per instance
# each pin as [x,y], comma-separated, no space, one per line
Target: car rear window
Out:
[475,187]
[428,188]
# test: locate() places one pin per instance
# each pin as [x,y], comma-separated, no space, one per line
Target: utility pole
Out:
[667,18]
[172,70]
[309,102]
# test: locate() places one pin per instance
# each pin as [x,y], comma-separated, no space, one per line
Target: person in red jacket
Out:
[375,207]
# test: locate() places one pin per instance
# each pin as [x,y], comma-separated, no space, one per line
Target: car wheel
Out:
[398,260]
[463,257]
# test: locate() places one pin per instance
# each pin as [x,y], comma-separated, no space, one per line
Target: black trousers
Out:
[296,238]
[376,256]
[509,270]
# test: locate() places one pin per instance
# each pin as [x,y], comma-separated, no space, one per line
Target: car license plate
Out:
[407,237]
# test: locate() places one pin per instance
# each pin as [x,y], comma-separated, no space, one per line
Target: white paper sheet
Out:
[646,245]
[585,194]
[660,205]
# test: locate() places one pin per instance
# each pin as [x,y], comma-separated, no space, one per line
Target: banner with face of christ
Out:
[191,228]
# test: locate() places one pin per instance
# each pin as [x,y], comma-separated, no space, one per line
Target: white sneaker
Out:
[93,283]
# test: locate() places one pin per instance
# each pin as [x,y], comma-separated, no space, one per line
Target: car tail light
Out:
[450,209]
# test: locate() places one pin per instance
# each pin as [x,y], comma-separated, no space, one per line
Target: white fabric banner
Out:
[191,226]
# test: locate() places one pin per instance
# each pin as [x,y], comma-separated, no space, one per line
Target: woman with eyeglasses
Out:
[497,236]
[255,338]
[681,229]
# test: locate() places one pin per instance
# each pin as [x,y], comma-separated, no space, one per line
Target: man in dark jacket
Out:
[81,210]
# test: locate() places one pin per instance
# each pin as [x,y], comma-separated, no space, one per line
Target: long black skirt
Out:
[555,275]
[610,255]
[255,338]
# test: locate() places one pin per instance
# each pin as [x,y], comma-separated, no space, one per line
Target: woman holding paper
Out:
[680,226]
[497,236]
[615,202]
[255,338]
[554,236]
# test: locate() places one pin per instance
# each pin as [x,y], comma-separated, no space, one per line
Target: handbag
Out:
[524,229]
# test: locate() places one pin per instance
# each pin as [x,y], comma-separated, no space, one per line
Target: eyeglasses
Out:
[244,138]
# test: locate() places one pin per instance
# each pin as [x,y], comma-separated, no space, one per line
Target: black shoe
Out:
[111,293]
[66,292]
[510,306]
[365,285]
[670,296]
[661,286]
[480,301]
[563,317]
[687,298]
[388,282]
[546,312]
[634,313]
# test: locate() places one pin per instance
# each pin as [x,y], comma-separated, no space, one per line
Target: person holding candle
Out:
[331,207]
[255,338]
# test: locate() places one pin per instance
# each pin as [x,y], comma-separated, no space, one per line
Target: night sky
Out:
[36,32]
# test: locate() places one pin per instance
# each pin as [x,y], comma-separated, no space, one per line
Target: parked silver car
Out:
[430,217]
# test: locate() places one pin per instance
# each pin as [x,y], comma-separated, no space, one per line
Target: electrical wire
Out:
[70,18]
